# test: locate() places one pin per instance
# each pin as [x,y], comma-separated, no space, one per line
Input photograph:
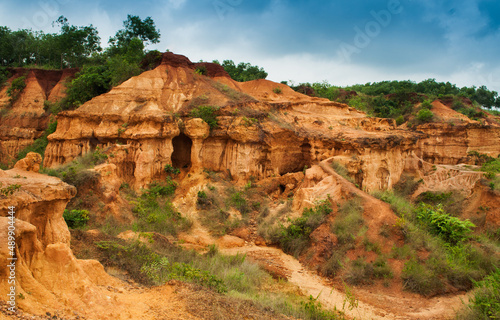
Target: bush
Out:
[359,272]
[420,279]
[277,90]
[427,104]
[16,87]
[207,113]
[169,169]
[451,229]
[76,218]
[295,238]
[40,144]
[349,221]
[425,115]
[485,304]
[161,270]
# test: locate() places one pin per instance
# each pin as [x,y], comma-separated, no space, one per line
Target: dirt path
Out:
[312,284]
[370,304]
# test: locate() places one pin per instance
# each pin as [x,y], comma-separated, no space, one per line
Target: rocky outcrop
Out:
[262,132]
[446,143]
[47,274]
[25,119]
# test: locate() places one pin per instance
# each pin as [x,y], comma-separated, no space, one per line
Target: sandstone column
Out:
[198,130]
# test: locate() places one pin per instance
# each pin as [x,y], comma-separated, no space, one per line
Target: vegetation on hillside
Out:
[395,99]
[244,71]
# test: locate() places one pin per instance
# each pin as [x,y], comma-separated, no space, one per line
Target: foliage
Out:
[135,28]
[169,169]
[295,237]
[421,279]
[277,90]
[155,212]
[451,229]
[9,190]
[202,70]
[341,170]
[424,115]
[40,144]
[76,172]
[162,270]
[485,304]
[91,81]
[244,71]
[348,222]
[493,166]
[207,113]
[76,218]
[17,85]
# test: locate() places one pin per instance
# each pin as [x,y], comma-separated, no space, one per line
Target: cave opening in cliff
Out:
[181,156]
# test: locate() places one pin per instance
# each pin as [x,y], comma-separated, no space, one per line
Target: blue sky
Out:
[343,42]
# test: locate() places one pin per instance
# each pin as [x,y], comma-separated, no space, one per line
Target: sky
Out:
[342,42]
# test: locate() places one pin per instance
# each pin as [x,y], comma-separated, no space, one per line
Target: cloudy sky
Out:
[343,42]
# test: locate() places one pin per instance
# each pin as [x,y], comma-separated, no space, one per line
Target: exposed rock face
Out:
[47,273]
[262,132]
[449,144]
[25,120]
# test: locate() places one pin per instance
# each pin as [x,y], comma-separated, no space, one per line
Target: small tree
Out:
[425,115]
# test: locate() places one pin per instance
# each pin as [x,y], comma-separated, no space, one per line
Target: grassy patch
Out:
[485,304]
[294,238]
[341,170]
[154,211]
[40,144]
[349,221]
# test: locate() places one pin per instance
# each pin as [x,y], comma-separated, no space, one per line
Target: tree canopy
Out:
[243,72]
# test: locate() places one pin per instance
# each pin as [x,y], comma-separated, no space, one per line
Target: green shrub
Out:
[169,169]
[277,90]
[201,70]
[207,113]
[162,270]
[349,221]
[485,304]
[425,115]
[295,237]
[451,229]
[333,265]
[420,279]
[16,87]
[238,201]
[40,144]
[9,190]
[427,104]
[359,272]
[76,218]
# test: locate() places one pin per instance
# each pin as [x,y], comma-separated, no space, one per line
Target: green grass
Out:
[76,172]
[294,238]
[485,303]
[234,276]
[155,212]
[349,221]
